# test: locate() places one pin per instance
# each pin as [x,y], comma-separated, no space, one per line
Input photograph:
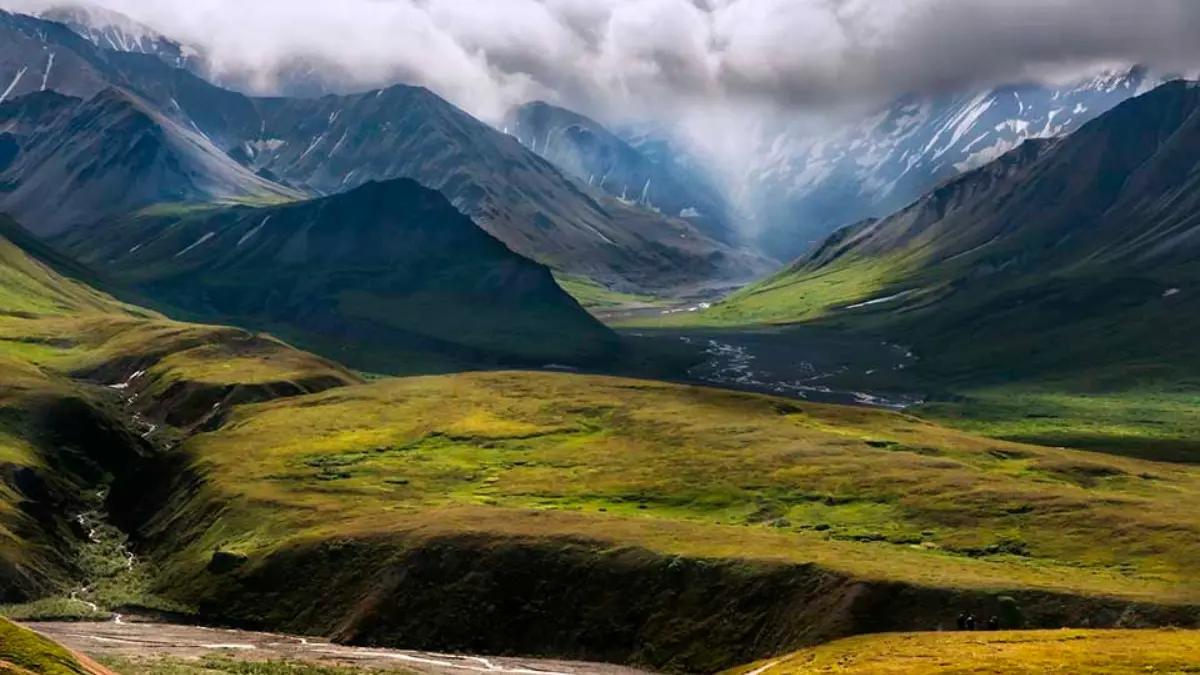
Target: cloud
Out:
[619,54]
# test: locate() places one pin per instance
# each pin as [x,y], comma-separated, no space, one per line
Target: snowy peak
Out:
[606,162]
[112,30]
[812,186]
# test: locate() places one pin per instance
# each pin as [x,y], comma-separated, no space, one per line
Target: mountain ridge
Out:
[386,267]
[319,146]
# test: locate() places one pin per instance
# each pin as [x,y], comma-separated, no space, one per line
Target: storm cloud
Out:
[794,54]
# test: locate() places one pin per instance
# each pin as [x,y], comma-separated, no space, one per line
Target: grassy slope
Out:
[55,331]
[691,472]
[32,653]
[594,297]
[1004,653]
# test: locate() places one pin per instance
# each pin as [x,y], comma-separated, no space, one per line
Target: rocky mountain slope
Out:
[806,186]
[115,31]
[591,153]
[73,161]
[1092,235]
[387,277]
[336,143]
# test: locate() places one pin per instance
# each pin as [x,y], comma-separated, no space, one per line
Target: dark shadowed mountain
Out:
[1066,253]
[336,143]
[379,277]
[69,162]
[590,152]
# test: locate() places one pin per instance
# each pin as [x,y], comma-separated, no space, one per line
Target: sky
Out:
[638,57]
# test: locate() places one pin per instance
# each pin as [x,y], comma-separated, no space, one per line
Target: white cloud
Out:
[809,54]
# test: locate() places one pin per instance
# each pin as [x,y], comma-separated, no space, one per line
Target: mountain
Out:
[338,142]
[335,143]
[590,152]
[72,161]
[108,29]
[379,277]
[1063,255]
[807,186]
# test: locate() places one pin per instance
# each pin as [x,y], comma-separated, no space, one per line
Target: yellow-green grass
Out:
[206,354]
[27,287]
[1078,652]
[22,387]
[1151,424]
[593,296]
[32,653]
[793,296]
[694,472]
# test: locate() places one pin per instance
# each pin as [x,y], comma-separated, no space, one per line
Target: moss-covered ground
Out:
[23,651]
[694,472]
[1079,652]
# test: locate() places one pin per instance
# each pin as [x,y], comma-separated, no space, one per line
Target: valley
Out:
[302,377]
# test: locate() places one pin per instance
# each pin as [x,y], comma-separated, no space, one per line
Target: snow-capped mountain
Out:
[593,154]
[112,30]
[804,188]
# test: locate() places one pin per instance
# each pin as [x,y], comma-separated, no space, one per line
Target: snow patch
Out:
[878,301]
[246,237]
[199,241]
[13,85]
[49,67]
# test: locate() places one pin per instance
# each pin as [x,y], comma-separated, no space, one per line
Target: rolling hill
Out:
[380,277]
[567,515]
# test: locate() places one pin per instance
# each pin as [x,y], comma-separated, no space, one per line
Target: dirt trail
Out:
[150,640]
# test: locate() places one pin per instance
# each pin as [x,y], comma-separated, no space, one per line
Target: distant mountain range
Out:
[632,210]
[1064,254]
[805,186]
[335,143]
[592,153]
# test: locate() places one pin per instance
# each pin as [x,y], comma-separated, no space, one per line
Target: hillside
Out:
[585,149]
[1025,653]
[77,161]
[1093,234]
[639,508]
[62,436]
[23,652]
[386,277]
[246,477]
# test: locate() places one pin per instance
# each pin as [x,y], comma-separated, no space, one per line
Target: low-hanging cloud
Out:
[614,55]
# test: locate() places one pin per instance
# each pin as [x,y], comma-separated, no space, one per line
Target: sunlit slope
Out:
[1079,652]
[471,483]
[66,430]
[23,652]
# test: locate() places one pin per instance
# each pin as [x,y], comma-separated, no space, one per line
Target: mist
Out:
[613,56]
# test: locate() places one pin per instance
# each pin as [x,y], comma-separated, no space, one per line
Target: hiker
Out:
[970,622]
[994,623]
[962,620]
